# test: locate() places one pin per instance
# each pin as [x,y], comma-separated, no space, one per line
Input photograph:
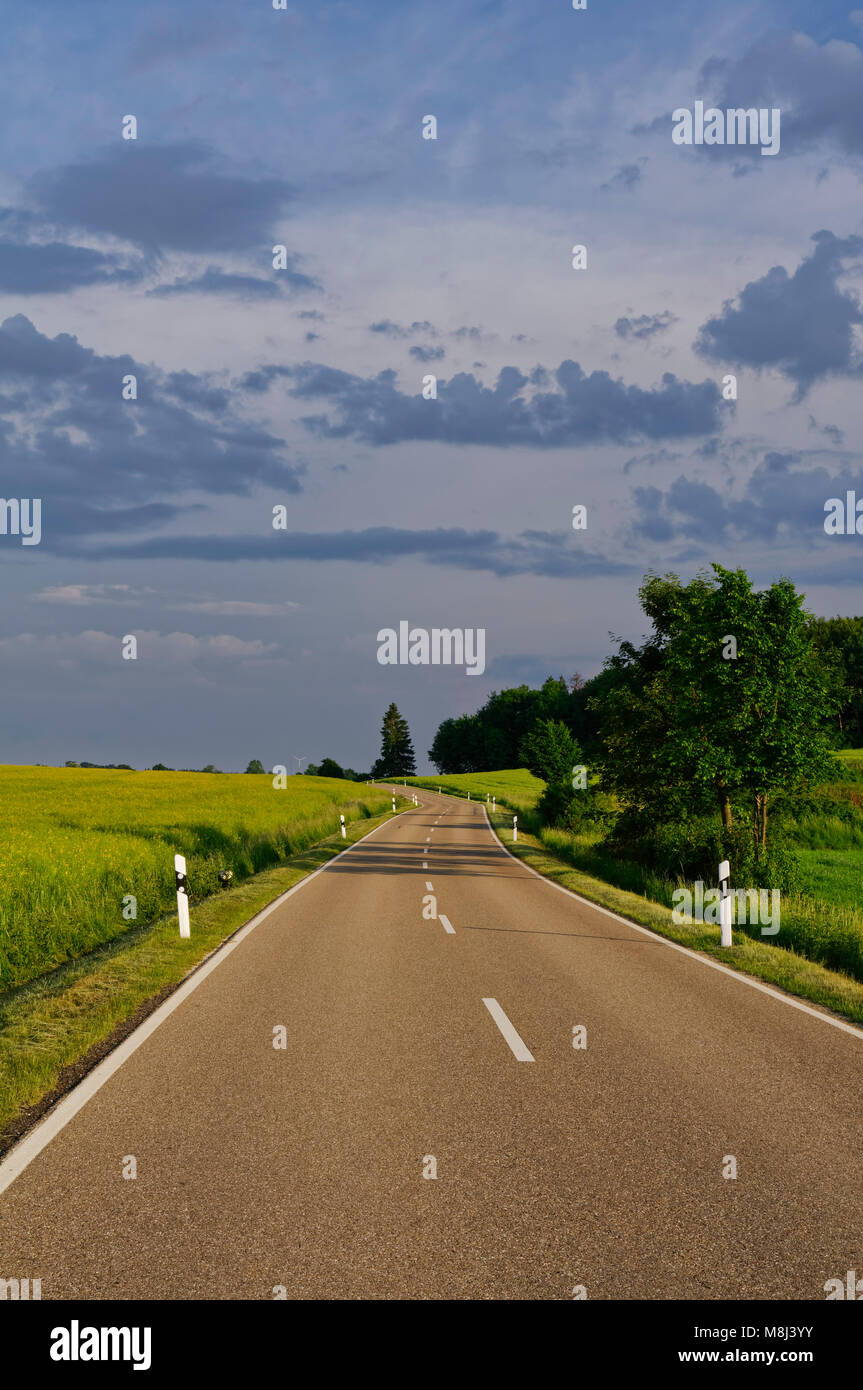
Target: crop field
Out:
[76,845]
[515,787]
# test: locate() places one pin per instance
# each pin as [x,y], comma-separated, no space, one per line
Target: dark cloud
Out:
[55,267]
[542,553]
[427,354]
[818,88]
[651,459]
[104,464]
[215,281]
[645,325]
[783,500]
[801,324]
[388,329]
[162,196]
[582,409]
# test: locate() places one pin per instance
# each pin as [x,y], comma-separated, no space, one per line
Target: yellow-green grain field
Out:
[77,845]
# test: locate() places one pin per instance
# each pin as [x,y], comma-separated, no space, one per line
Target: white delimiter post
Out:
[394,803]
[344,832]
[514,828]
[725,903]
[182,895]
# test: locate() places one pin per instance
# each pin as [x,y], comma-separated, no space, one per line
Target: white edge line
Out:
[446,924]
[684,950]
[515,1043]
[31,1145]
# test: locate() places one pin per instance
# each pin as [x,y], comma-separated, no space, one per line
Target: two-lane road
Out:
[412,1038]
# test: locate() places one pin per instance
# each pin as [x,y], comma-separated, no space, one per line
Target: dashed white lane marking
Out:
[516,1045]
[448,927]
[428,839]
[425,863]
[428,885]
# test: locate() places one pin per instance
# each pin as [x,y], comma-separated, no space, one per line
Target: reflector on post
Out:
[725,903]
[182,894]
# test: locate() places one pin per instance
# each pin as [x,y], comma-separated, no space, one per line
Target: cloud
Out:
[802,324]
[236,608]
[645,326]
[80,595]
[388,329]
[832,432]
[627,177]
[105,465]
[783,500]
[584,408]
[550,554]
[818,88]
[88,595]
[427,354]
[162,197]
[216,281]
[55,651]
[55,267]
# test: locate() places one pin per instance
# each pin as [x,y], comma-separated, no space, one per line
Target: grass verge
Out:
[55,1028]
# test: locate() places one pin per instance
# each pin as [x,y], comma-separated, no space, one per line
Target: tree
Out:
[549,751]
[840,642]
[726,701]
[397,753]
[256,766]
[330,768]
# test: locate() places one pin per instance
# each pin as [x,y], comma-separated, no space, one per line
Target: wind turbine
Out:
[298,761]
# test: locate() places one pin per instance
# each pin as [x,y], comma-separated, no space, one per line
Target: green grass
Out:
[834,875]
[74,843]
[53,1022]
[515,787]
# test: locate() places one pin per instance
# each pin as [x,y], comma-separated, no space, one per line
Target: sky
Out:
[301,386]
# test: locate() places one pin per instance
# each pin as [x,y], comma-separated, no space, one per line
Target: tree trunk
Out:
[724,806]
[759,823]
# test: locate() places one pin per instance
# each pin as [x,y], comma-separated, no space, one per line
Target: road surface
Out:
[450,1038]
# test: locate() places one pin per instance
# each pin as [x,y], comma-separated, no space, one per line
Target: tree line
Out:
[679,747]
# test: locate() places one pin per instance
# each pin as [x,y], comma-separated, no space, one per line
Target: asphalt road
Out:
[451,1037]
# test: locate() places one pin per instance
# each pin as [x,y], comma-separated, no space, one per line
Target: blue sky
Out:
[302,387]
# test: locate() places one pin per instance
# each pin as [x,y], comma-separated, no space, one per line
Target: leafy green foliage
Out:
[690,726]
[549,751]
